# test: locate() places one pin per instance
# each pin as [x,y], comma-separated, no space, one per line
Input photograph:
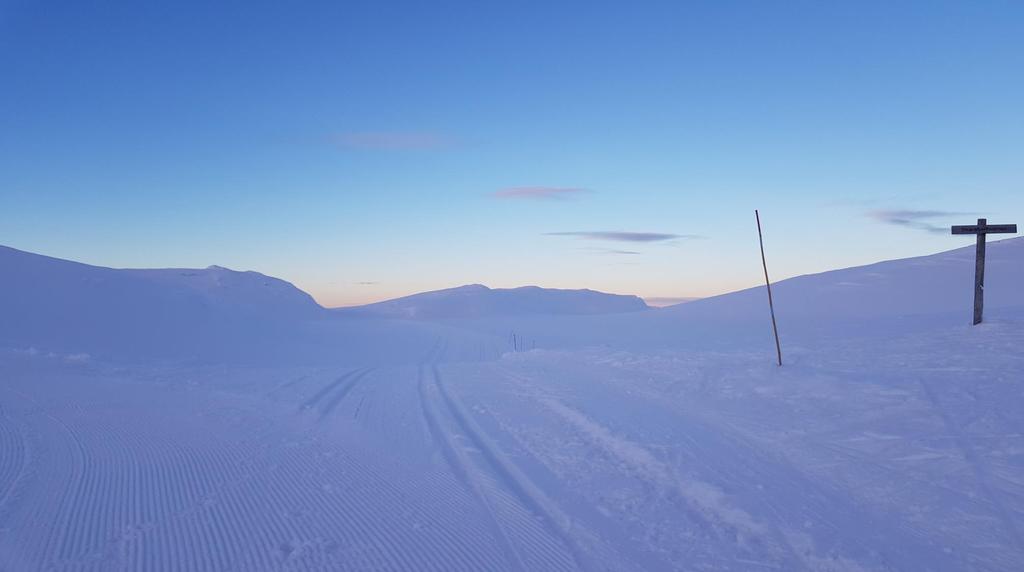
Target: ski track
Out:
[532,532]
[516,503]
[458,462]
[289,383]
[93,477]
[341,381]
[142,494]
[705,501]
[776,498]
[340,394]
[456,459]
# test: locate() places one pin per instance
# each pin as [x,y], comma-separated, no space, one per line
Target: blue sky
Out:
[369,150]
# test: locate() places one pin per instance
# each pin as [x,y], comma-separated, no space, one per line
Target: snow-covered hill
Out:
[908,295]
[59,305]
[64,306]
[479,301]
[941,283]
[225,290]
[227,423]
[926,293]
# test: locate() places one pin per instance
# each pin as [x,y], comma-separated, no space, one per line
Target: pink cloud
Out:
[539,193]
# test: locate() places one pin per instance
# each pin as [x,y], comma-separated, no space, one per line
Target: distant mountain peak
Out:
[477,300]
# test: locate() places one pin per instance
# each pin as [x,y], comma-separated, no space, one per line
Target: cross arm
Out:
[985,229]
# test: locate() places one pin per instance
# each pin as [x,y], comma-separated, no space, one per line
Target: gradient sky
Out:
[368,150]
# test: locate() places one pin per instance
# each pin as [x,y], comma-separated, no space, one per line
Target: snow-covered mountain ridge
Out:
[932,284]
[477,300]
[60,305]
[216,425]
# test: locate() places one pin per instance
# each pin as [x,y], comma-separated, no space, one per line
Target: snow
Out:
[477,300]
[220,420]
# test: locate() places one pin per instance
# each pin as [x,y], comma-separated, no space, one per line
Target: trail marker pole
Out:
[981,229]
[771,305]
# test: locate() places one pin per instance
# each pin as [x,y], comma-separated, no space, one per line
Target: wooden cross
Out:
[981,229]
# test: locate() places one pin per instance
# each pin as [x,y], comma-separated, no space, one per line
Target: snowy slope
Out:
[937,284]
[58,305]
[476,301]
[900,296]
[225,290]
[927,293]
[893,439]
[212,315]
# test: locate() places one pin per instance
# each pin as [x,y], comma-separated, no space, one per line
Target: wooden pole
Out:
[979,274]
[982,229]
[771,304]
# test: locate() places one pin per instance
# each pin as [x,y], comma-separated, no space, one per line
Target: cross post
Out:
[981,229]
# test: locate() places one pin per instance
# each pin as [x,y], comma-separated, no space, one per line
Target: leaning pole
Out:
[768,284]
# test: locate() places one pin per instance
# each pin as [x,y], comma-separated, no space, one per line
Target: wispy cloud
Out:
[916,219]
[539,193]
[366,283]
[390,140]
[600,250]
[621,236]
